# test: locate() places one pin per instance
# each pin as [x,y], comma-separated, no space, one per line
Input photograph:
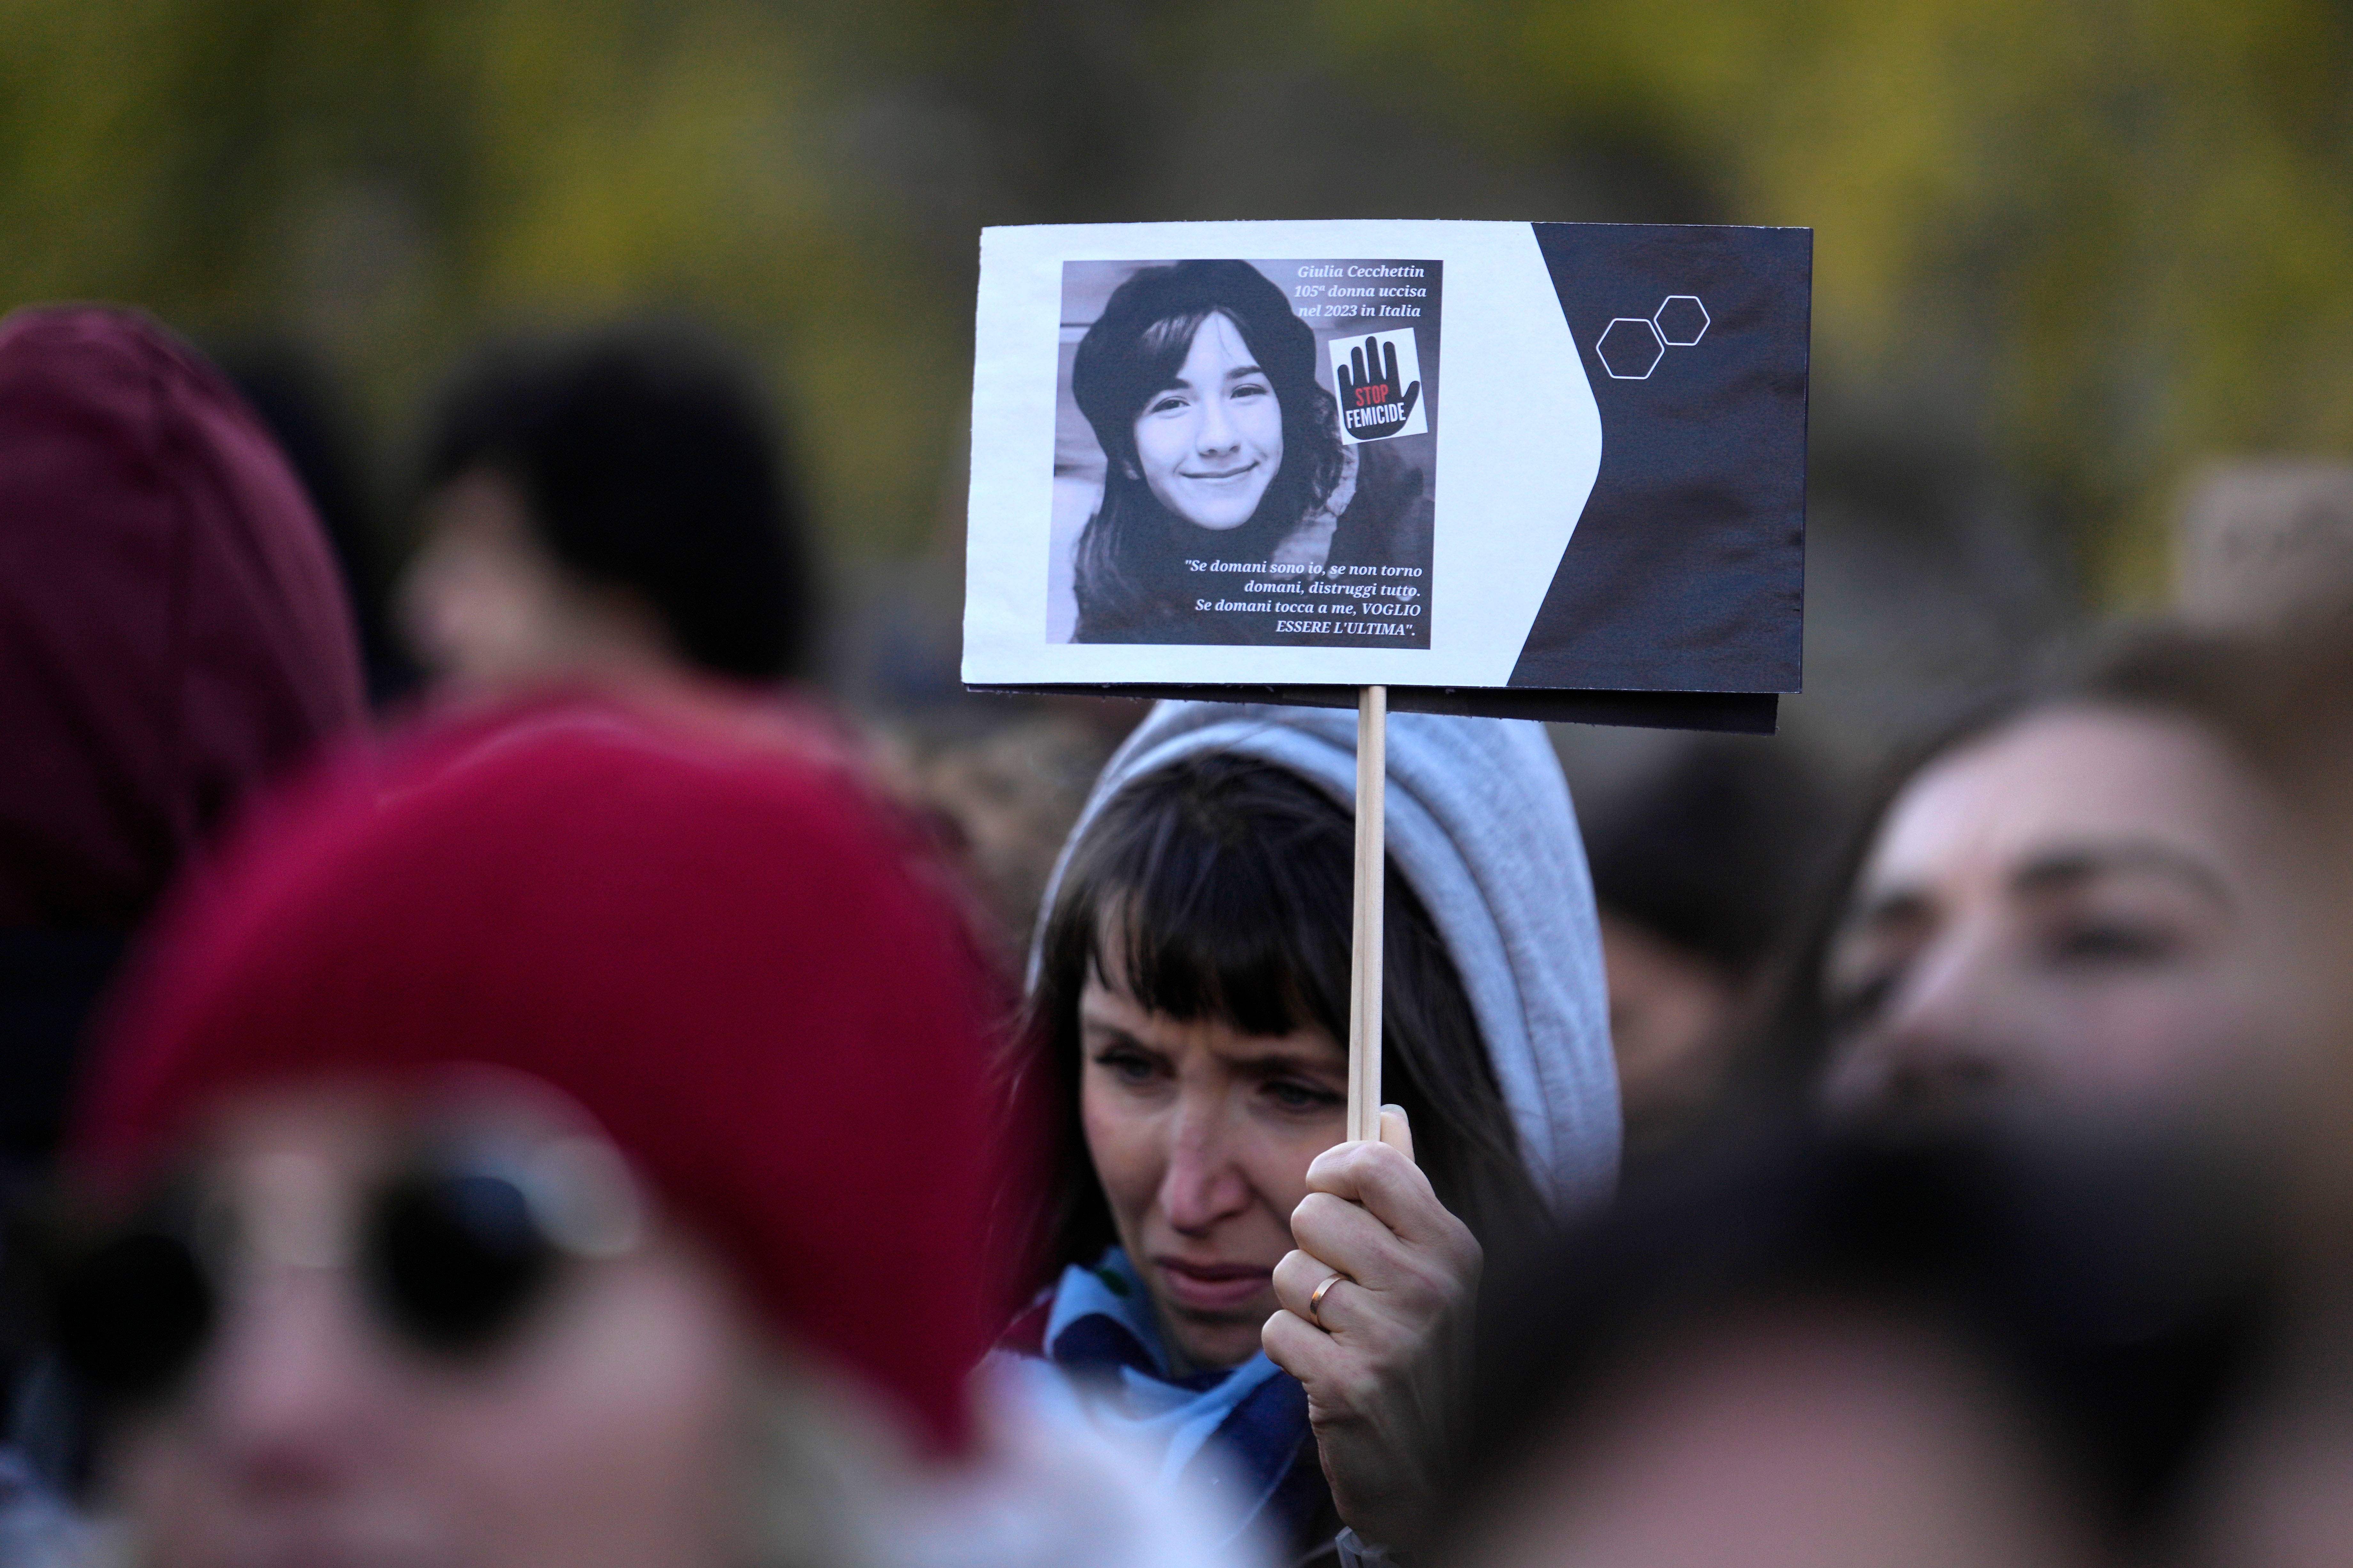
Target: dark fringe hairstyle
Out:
[1227,880]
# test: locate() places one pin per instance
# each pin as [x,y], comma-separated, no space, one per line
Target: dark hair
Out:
[1125,572]
[646,462]
[1230,879]
[295,398]
[1715,849]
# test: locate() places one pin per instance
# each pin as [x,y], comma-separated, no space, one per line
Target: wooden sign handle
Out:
[1364,962]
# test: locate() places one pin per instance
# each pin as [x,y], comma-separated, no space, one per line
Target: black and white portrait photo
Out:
[1245,453]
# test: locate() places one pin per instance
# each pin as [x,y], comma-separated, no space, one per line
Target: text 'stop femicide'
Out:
[1209,455]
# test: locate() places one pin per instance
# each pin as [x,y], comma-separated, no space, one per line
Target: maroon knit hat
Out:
[729,955]
[172,629]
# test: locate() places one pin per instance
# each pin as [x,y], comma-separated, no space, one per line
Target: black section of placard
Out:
[1737,712]
[1687,571]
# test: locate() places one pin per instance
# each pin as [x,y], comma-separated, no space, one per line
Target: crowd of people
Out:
[603,1104]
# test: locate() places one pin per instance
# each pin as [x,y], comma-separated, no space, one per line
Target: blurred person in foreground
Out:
[2278,1488]
[2113,910]
[1969,1351]
[612,507]
[1225,1278]
[562,1145]
[2076,1021]
[172,634]
[1705,866]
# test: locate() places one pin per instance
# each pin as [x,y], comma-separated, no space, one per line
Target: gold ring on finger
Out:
[1315,1300]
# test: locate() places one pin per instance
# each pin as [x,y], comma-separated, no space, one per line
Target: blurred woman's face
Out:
[485,605]
[2089,906]
[1211,441]
[605,1426]
[1201,1136]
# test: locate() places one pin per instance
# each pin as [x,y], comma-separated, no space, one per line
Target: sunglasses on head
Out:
[450,1252]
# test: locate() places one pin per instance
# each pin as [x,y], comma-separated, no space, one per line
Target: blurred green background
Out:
[2065,251]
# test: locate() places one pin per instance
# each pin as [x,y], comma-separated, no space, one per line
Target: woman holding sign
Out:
[1230,1287]
[1220,443]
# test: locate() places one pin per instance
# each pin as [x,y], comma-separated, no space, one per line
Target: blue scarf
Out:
[1239,1431]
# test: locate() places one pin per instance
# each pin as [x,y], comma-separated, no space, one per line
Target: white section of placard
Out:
[1453,514]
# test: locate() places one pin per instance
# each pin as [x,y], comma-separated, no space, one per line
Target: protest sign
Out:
[1551,470]
[1545,470]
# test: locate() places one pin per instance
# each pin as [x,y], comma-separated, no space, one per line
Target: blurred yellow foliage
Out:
[388,180]
[2093,242]
[2127,228]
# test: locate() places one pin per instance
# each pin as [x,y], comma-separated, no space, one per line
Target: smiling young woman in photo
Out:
[1199,383]
[1228,1280]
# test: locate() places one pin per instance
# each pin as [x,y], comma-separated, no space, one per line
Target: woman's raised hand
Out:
[1377,1367]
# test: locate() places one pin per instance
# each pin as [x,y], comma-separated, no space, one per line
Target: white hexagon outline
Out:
[1646,324]
[1705,320]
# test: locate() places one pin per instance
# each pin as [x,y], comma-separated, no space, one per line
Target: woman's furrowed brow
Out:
[1109,1033]
[1285,1064]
